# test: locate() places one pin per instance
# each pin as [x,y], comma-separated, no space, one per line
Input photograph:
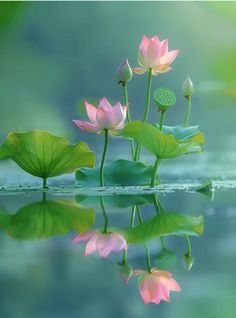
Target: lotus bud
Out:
[188,261]
[124,72]
[188,88]
[125,271]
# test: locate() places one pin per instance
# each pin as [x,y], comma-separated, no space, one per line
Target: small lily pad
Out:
[164,97]
[45,155]
[162,145]
[118,173]
[165,224]
[45,219]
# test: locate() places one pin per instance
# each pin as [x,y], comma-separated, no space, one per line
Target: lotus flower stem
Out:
[187,116]
[153,179]
[162,242]
[157,204]
[163,113]
[126,102]
[104,215]
[132,216]
[138,147]
[188,244]
[147,256]
[44,183]
[103,158]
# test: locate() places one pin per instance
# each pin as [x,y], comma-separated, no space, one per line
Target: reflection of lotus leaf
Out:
[120,201]
[46,219]
[164,224]
[118,173]
[161,145]
[45,155]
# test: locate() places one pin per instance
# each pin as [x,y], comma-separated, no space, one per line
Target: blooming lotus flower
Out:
[103,117]
[103,243]
[156,286]
[154,54]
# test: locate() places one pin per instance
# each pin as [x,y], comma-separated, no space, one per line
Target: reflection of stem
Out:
[126,102]
[44,196]
[132,216]
[140,218]
[104,215]
[163,112]
[103,158]
[157,204]
[189,244]
[153,179]
[187,116]
[124,254]
[145,117]
[162,242]
[44,183]
[147,255]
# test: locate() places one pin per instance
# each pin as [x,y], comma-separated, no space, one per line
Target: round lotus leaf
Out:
[164,97]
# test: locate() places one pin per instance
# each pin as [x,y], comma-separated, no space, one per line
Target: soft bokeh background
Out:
[54,54]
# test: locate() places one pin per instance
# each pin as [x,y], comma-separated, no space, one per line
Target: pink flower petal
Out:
[170,283]
[118,115]
[150,290]
[156,39]
[144,43]
[169,57]
[164,47]
[91,245]
[84,125]
[138,272]
[139,70]
[104,104]
[83,237]
[91,112]
[104,118]
[152,54]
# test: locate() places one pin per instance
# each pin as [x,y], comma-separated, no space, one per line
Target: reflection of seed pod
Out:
[125,271]
[188,261]
[165,259]
[164,97]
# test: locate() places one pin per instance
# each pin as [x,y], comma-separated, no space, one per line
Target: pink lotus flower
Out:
[103,117]
[154,54]
[103,243]
[156,286]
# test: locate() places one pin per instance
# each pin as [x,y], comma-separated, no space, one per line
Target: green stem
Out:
[103,158]
[124,254]
[187,116]
[189,244]
[153,179]
[44,183]
[162,242]
[140,218]
[132,216]
[147,256]
[104,215]
[163,113]
[145,117]
[126,102]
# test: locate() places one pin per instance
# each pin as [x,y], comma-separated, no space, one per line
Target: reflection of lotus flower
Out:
[103,117]
[125,271]
[154,54]
[156,286]
[103,243]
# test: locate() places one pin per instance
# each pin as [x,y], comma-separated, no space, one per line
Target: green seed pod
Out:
[164,98]
[187,87]
[165,259]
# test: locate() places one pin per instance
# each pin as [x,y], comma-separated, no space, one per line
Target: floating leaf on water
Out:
[207,188]
[118,173]
[162,145]
[45,155]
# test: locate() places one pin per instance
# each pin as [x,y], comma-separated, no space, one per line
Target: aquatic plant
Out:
[44,155]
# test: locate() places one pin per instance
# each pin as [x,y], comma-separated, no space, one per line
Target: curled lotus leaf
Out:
[158,143]
[44,155]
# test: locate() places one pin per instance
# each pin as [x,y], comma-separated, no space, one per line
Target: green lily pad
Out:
[164,224]
[162,145]
[118,173]
[45,155]
[119,201]
[207,188]
[180,132]
[164,97]
[45,219]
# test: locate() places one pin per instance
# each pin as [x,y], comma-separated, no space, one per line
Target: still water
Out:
[45,275]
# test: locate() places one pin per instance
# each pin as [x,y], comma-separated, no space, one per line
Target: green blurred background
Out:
[54,54]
